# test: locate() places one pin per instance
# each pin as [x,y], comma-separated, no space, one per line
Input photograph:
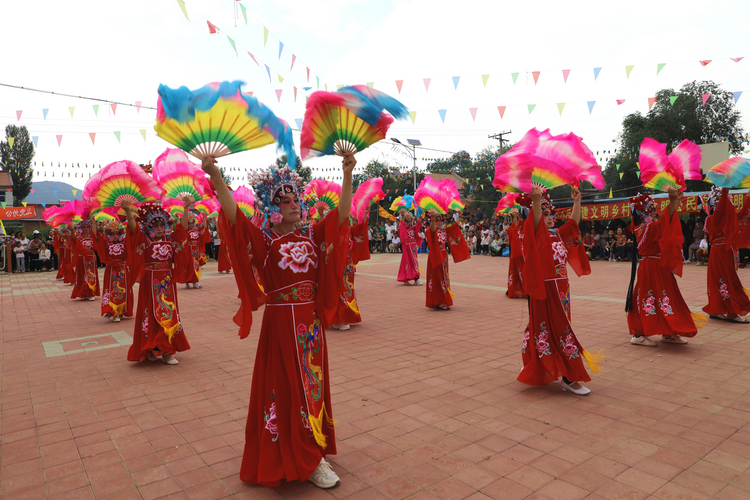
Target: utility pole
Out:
[499,137]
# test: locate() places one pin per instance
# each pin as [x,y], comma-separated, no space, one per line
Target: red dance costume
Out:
[188,261]
[438,280]
[348,309]
[117,298]
[87,277]
[289,424]
[727,232]
[225,264]
[658,306]
[550,348]
[157,316]
[66,266]
[410,241]
[516,287]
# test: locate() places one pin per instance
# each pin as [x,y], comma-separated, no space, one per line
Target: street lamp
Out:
[413,143]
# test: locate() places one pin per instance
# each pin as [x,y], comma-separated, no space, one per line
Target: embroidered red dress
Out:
[348,308]
[438,287]
[117,297]
[410,241]
[550,347]
[658,307]
[188,260]
[87,277]
[66,267]
[516,288]
[726,294]
[289,424]
[157,316]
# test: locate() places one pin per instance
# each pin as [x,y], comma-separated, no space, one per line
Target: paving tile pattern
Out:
[426,402]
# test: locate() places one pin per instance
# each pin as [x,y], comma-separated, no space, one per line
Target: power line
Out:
[75,96]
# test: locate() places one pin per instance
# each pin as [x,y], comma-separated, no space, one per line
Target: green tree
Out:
[303,171]
[18,160]
[675,115]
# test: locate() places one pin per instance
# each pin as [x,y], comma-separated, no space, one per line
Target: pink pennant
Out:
[59,139]
[18,115]
[705,62]
[294,58]
[473,112]
[211,28]
[736,59]
[114,108]
[427,84]
[32,191]
[651,101]
[566,72]
[138,106]
[501,109]
[254,59]
[705,98]
[295,94]
[251,94]
[536,76]
[399,84]
[93,136]
[620,101]
[278,94]
[308,74]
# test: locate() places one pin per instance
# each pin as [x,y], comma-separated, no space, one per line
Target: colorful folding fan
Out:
[347,121]
[49,215]
[452,196]
[105,214]
[327,192]
[121,181]
[245,199]
[507,203]
[180,178]
[734,172]
[659,171]
[430,196]
[547,161]
[173,206]
[370,191]
[219,119]
[398,204]
[208,206]
[72,212]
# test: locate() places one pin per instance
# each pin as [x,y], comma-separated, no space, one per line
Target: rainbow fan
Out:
[327,192]
[105,214]
[180,178]
[49,215]
[219,119]
[208,206]
[245,199]
[119,182]
[370,191]
[547,161]
[659,171]
[430,196]
[175,207]
[398,204]
[72,212]
[347,121]
[734,172]
[507,203]
[452,196]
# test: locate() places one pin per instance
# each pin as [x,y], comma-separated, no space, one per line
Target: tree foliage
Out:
[18,160]
[671,120]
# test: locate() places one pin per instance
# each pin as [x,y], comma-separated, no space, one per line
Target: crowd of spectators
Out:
[29,254]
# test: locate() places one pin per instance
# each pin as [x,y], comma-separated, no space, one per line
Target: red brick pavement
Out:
[426,401]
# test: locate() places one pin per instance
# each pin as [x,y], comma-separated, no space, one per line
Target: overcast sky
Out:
[122,51]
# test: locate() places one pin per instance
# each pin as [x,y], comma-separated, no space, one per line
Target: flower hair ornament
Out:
[642,205]
[271,185]
[547,204]
[150,214]
[113,226]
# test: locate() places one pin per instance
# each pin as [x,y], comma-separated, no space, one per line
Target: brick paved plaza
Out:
[426,402]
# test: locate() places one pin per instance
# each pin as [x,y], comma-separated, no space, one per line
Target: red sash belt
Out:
[158,266]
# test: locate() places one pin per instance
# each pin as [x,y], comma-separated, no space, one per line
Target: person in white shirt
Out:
[496,247]
[388,236]
[485,241]
[45,258]
[702,251]
[20,257]
[472,242]
[395,245]
[217,244]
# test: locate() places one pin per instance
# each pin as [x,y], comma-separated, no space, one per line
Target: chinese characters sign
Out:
[16,213]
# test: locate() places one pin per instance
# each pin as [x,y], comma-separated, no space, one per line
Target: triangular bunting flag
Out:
[281,49]
[114,108]
[620,101]
[298,121]
[628,69]
[75,192]
[254,59]
[484,80]
[566,72]
[672,99]
[737,96]
[371,84]
[295,94]
[736,59]
[638,173]
[660,67]
[705,98]
[278,94]
[651,101]
[54,191]
[117,134]
[24,203]
[72,110]
[44,112]
[143,133]
[4,204]
[265,36]
[294,58]
[138,106]
[610,192]
[11,140]
[535,74]
[211,28]
[93,136]
[308,74]
[244,13]
[531,107]
[399,83]
[617,166]
[621,175]
[339,86]
[184,10]
[442,114]
[96,110]
[268,70]
[413,115]
[591,105]
[281,78]
[427,84]
[35,138]
[473,112]
[234,46]
[501,110]
[596,72]
[515,77]
[705,62]
[560,107]
[59,139]
[18,115]
[43,204]
[455,82]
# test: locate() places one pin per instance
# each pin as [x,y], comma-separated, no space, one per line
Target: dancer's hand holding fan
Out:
[179,177]
[118,182]
[659,171]
[734,172]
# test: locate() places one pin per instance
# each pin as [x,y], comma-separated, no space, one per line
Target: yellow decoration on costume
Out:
[317,426]
[353,306]
[699,319]
[593,360]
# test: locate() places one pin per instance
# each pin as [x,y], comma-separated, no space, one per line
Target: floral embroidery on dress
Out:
[559,252]
[161,251]
[649,309]
[305,292]
[144,324]
[310,340]
[723,289]
[542,346]
[568,345]
[664,304]
[105,298]
[525,341]
[250,251]
[565,301]
[510,279]
[297,256]
[269,417]
[116,249]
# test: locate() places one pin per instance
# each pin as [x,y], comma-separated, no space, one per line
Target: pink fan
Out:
[429,195]
[508,203]
[181,178]
[175,207]
[119,182]
[245,199]
[73,211]
[49,215]
[326,191]
[659,171]
[208,206]
[452,196]
[370,191]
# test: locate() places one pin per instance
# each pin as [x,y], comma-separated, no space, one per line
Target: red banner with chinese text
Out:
[16,213]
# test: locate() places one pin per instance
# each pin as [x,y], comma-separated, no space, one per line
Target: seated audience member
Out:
[621,245]
[702,252]
[496,246]
[44,262]
[395,245]
[589,243]
[472,242]
[609,251]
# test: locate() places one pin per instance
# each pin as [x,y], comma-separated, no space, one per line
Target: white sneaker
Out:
[642,340]
[418,282]
[343,326]
[581,391]
[116,319]
[673,339]
[324,477]
[169,359]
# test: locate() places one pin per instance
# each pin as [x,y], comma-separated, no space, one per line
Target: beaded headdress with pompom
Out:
[271,185]
[149,214]
[547,203]
[642,205]
[84,224]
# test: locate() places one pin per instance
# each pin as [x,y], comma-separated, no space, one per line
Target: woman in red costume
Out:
[87,277]
[438,290]
[157,331]
[188,262]
[550,348]
[655,305]
[727,299]
[66,271]
[347,312]
[225,264]
[298,273]
[515,266]
[117,299]
[408,229]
